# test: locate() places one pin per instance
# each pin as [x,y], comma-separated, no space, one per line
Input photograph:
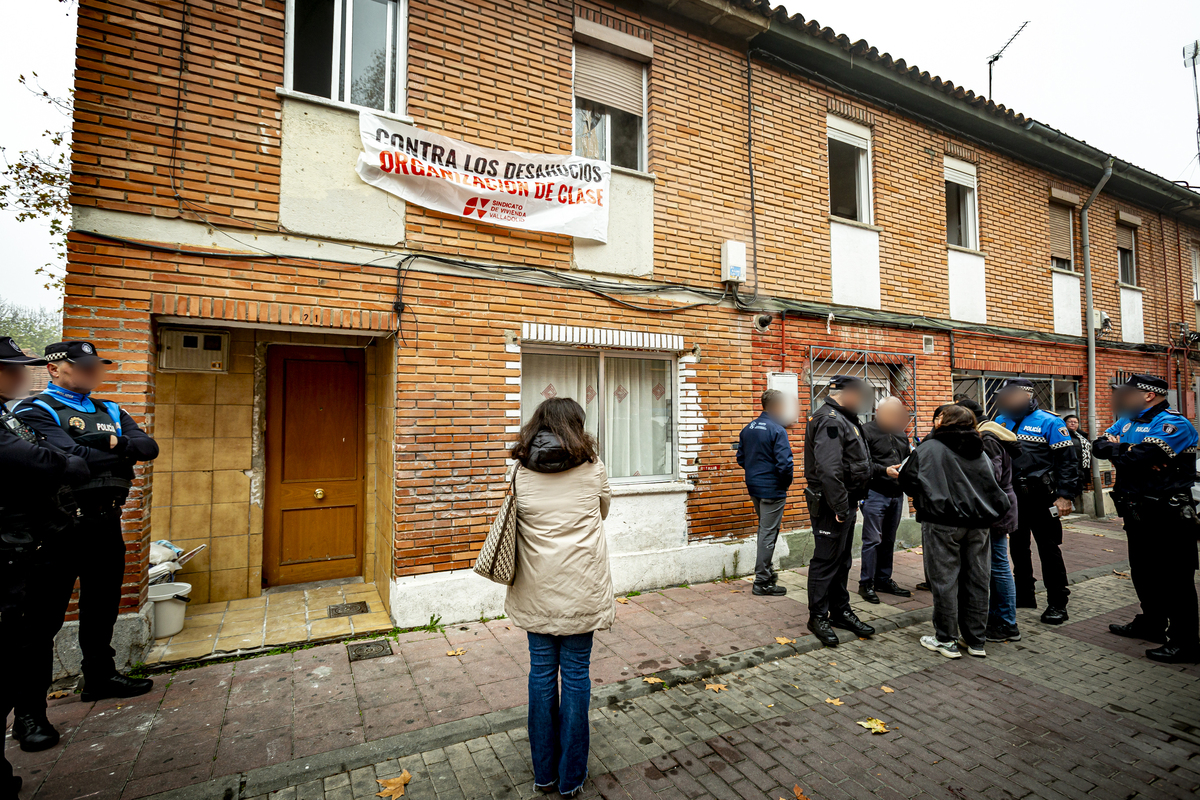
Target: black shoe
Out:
[1175,654]
[825,634]
[1139,629]
[1053,615]
[116,686]
[848,621]
[770,590]
[923,586]
[34,732]
[867,593]
[1003,633]
[888,586]
[1026,602]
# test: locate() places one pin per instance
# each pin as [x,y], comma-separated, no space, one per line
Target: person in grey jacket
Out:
[958,499]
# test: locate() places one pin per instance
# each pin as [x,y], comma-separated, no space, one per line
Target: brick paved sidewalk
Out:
[225,719]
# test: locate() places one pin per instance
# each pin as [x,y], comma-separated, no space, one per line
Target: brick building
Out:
[334,375]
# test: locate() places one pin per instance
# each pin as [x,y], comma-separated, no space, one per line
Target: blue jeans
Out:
[880,519]
[558,724]
[1003,603]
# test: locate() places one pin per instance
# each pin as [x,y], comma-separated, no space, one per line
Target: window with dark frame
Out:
[1127,254]
[1061,225]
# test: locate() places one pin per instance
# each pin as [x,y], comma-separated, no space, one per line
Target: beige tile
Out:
[194,421]
[286,634]
[256,519]
[286,620]
[227,644]
[227,584]
[164,389]
[241,627]
[156,653]
[198,609]
[230,486]
[244,614]
[322,628]
[248,603]
[231,519]
[166,456]
[360,591]
[193,454]
[198,562]
[231,454]
[204,620]
[160,523]
[229,552]
[191,522]
[187,651]
[254,585]
[285,598]
[160,496]
[232,422]
[366,623]
[195,388]
[198,634]
[164,421]
[235,389]
[191,488]
[254,550]
[199,583]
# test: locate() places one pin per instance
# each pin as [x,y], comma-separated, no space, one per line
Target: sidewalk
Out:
[229,719]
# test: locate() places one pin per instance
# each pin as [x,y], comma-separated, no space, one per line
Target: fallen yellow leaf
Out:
[833,663]
[652,679]
[1121,575]
[833,702]
[796,790]
[1107,550]
[58,695]
[1101,535]
[458,652]
[394,787]
[887,689]
[622,600]
[716,687]
[784,640]
[873,725]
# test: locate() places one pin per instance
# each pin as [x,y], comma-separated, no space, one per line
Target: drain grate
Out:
[361,651]
[349,609]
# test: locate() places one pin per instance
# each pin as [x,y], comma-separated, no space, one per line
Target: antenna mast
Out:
[996,56]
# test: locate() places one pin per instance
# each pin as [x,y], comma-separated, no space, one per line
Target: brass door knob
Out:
[319,494]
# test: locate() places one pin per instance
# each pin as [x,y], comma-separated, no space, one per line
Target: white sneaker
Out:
[948,649]
[978,652]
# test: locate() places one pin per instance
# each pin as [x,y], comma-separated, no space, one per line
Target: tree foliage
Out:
[32,327]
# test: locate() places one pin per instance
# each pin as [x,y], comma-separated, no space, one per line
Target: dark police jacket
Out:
[837,464]
[1048,463]
[32,474]
[887,450]
[766,455]
[81,425]
[1155,457]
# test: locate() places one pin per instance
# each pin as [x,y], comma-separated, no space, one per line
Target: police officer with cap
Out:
[35,507]
[112,443]
[837,466]
[1046,478]
[1153,450]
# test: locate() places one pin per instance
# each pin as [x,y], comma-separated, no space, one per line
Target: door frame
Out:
[272,442]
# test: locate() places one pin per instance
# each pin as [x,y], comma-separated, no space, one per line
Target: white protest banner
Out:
[532,191]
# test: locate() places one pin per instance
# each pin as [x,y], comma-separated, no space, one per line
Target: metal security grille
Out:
[1057,395]
[887,373]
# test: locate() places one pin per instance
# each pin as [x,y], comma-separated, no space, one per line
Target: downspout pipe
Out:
[1089,323]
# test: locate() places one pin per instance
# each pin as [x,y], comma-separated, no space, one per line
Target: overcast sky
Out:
[1102,71]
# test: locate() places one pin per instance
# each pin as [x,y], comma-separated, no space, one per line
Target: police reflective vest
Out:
[1047,462]
[1155,455]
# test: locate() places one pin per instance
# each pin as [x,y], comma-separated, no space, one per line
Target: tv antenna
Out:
[996,56]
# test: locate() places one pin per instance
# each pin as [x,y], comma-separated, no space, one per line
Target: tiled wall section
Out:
[383,496]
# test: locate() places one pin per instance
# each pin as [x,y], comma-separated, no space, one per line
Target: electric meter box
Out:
[789,384]
[733,262]
[193,350]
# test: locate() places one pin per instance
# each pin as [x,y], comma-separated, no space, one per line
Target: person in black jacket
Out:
[952,484]
[838,469]
[107,438]
[887,441]
[35,507]
[766,455]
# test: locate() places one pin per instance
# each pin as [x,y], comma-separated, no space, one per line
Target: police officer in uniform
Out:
[837,465]
[1153,450]
[35,507]
[1046,479]
[111,443]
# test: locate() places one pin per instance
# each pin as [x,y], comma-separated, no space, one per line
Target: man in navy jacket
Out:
[766,455]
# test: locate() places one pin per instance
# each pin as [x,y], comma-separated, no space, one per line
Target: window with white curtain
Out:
[628,399]
[348,51]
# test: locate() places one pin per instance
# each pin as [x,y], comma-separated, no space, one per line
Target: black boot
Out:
[34,732]
[888,586]
[1175,654]
[1140,629]
[116,686]
[867,592]
[848,621]
[1054,615]
[825,634]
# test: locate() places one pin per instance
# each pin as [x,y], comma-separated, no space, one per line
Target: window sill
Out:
[1067,272]
[325,101]
[854,223]
[663,486]
[969,250]
[1130,286]
[634,173]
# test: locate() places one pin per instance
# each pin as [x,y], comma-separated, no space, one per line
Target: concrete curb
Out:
[264,780]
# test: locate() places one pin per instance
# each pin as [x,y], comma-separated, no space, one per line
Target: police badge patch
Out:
[1169,428]
[77,422]
[87,348]
[1064,432]
[1127,427]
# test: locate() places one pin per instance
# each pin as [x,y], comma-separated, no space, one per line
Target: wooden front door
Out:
[313,523]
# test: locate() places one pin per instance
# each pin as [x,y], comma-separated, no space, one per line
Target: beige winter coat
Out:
[563,585]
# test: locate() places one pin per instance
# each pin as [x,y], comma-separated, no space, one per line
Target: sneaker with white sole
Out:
[948,649]
[975,650]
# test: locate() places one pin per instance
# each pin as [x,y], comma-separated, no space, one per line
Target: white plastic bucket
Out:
[168,608]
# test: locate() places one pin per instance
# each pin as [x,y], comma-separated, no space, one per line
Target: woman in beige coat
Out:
[562,591]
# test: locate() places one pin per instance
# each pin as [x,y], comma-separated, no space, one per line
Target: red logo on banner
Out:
[476,205]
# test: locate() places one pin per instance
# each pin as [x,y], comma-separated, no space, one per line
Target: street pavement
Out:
[312,724]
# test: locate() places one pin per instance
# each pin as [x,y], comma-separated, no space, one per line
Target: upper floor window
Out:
[1062,250]
[962,214]
[1127,254]
[849,170]
[1196,272]
[610,107]
[349,51]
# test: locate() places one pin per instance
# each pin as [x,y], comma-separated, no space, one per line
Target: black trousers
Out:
[14,574]
[95,556]
[1034,522]
[1162,564]
[833,555]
